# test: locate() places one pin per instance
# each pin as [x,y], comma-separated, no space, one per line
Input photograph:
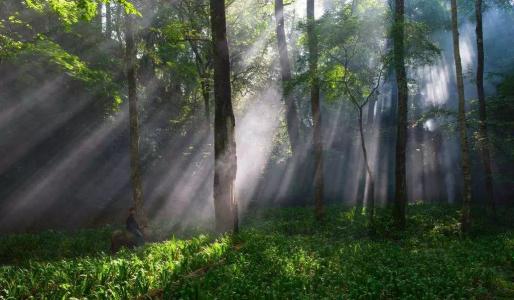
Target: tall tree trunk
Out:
[401,133]
[316,112]
[420,150]
[205,94]
[355,3]
[371,183]
[439,189]
[483,136]
[108,20]
[135,164]
[225,160]
[98,17]
[466,170]
[285,71]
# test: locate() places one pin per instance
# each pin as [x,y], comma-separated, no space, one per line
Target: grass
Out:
[280,253]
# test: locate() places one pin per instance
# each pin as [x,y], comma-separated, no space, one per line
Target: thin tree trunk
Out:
[203,72]
[118,28]
[225,160]
[439,189]
[371,184]
[205,94]
[483,136]
[401,134]
[108,20]
[316,113]
[466,171]
[285,70]
[135,164]
[371,112]
[418,139]
[98,17]
[355,3]
[361,191]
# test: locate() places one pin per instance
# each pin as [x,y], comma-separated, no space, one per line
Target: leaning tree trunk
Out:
[135,164]
[466,172]
[316,113]
[483,136]
[401,134]
[225,160]
[285,71]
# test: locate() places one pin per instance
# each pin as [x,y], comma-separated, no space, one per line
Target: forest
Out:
[256,149]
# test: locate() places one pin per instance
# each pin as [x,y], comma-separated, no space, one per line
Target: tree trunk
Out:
[483,136]
[225,160]
[401,133]
[419,158]
[361,191]
[355,3]
[203,72]
[135,164]
[285,71]
[466,172]
[371,184]
[98,17]
[371,112]
[316,113]
[108,20]
[205,94]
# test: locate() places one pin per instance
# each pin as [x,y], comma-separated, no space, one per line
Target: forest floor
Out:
[279,254]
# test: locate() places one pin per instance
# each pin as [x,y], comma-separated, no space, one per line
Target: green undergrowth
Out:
[279,254]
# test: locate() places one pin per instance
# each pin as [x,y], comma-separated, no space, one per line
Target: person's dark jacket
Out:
[133,228]
[132,225]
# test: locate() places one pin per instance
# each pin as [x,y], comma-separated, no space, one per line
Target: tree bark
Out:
[316,113]
[135,164]
[285,71]
[466,171]
[483,135]
[401,133]
[225,160]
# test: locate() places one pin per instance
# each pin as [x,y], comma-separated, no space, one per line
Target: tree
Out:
[464,150]
[285,71]
[356,92]
[317,137]
[225,160]
[400,201]
[135,163]
[483,139]
[352,69]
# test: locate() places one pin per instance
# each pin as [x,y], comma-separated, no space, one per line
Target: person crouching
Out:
[133,227]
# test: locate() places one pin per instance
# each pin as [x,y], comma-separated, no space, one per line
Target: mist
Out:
[65,161]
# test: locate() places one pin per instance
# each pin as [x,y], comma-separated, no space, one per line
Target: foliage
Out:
[280,253]
[352,54]
[72,11]
[23,41]
[51,273]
